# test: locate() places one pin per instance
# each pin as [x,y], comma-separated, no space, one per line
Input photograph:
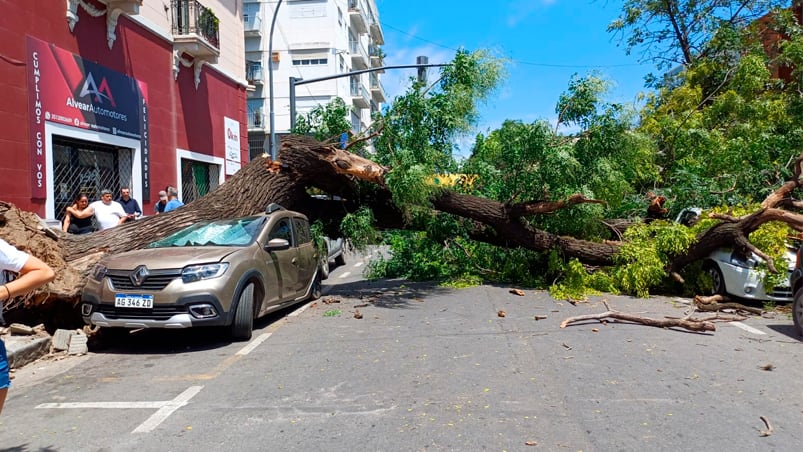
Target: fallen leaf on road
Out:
[361,305]
[540,317]
[357,314]
[767,367]
[596,330]
[531,443]
[501,313]
[517,292]
[330,300]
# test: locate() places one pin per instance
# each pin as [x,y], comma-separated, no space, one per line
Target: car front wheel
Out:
[797,311]
[243,323]
[717,281]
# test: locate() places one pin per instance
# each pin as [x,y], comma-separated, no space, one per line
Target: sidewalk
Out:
[23,350]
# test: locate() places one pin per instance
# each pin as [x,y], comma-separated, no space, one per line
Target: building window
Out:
[310,61]
[197,179]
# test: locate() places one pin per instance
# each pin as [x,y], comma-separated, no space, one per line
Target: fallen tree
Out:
[304,163]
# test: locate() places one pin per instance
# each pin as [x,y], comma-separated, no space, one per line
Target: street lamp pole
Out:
[273,151]
[295,81]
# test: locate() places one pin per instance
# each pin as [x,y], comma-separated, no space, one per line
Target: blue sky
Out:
[546,40]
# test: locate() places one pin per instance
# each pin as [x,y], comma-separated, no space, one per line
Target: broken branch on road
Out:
[688,324]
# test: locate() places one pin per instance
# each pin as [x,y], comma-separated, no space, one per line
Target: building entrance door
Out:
[87,168]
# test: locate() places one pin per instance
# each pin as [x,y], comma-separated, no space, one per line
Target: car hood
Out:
[172,257]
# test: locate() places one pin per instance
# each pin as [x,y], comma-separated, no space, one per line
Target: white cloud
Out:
[519,10]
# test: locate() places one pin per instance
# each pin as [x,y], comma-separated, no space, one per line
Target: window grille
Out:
[198,179]
[87,168]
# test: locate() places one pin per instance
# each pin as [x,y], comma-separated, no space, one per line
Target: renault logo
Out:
[139,274]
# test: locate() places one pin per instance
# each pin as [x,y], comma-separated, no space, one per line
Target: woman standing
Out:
[32,274]
[74,224]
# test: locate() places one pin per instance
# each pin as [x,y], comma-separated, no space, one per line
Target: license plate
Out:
[127,300]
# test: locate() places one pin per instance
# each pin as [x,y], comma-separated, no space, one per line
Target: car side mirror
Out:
[277,245]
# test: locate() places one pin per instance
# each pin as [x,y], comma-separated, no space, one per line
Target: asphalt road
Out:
[424,368]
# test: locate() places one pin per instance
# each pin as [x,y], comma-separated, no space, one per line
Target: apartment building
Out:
[311,39]
[102,94]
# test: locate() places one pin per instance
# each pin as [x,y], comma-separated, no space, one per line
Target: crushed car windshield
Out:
[235,232]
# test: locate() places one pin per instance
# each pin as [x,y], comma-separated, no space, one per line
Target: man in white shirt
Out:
[108,213]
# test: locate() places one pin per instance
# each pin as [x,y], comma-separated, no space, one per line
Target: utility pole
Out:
[295,81]
[422,71]
[273,151]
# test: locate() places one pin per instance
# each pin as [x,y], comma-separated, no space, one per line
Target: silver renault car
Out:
[217,273]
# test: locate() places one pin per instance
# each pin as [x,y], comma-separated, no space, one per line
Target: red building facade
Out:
[78,116]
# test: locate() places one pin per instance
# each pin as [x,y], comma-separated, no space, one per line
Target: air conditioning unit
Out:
[275,57]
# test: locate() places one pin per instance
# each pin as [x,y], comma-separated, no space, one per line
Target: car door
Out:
[285,261]
[307,254]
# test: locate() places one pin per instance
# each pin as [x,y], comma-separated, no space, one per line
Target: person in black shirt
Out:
[75,225]
[130,205]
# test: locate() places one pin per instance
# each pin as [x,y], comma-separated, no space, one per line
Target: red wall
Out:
[180,116]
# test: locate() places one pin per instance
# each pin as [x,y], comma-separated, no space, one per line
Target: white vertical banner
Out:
[233,161]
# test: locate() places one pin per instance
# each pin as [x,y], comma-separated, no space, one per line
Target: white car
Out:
[334,252]
[732,273]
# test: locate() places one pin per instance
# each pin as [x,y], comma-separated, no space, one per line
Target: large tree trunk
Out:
[306,163]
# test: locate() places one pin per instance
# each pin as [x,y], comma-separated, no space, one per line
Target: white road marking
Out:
[747,328]
[168,409]
[300,310]
[253,344]
[129,405]
[344,275]
[164,408]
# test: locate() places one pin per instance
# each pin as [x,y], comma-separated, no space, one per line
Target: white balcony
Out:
[252,25]
[357,17]
[359,95]
[359,56]
[377,90]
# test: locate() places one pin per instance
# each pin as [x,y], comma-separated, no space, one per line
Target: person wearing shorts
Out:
[32,274]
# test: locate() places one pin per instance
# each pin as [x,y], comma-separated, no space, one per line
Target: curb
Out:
[23,350]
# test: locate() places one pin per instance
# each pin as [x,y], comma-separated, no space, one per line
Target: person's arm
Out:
[65,225]
[137,209]
[33,274]
[120,212]
[86,213]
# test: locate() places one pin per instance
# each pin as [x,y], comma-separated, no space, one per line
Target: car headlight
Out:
[206,271]
[99,272]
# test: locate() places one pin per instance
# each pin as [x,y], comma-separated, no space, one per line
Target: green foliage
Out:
[644,256]
[326,123]
[359,228]
[462,281]
[458,261]
[671,33]
[579,104]
[419,127]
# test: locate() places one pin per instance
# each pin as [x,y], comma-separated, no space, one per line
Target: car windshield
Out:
[234,232]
